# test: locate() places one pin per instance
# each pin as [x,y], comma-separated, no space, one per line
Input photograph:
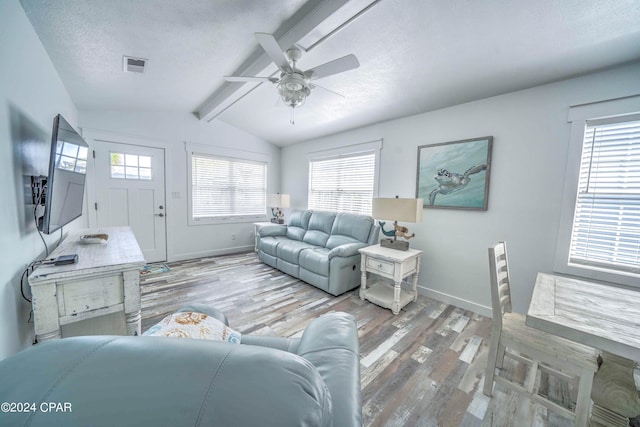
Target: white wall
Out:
[29,87]
[170,131]
[531,137]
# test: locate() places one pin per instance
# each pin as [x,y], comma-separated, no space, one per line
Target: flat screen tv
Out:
[64,195]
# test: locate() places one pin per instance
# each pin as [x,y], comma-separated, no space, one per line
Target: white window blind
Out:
[342,184]
[606,225]
[226,187]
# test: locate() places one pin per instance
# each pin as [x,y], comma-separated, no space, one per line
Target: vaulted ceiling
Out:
[415,55]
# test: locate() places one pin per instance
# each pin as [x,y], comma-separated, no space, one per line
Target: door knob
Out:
[160,214]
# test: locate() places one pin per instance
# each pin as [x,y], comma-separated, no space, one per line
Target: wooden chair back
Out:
[500,286]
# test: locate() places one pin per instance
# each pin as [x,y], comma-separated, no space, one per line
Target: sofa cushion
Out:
[289,250]
[349,228]
[290,268]
[298,224]
[269,244]
[315,260]
[320,225]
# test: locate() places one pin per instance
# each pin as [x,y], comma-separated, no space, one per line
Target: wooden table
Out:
[604,317]
[105,280]
[392,264]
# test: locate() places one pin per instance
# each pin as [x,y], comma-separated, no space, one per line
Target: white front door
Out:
[130,191]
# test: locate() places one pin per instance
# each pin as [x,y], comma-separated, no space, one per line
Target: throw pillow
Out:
[190,324]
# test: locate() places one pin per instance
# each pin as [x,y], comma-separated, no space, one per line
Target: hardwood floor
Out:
[423,367]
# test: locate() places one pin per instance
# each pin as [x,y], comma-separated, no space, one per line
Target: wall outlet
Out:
[233,236]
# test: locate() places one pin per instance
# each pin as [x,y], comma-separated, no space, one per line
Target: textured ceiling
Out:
[415,55]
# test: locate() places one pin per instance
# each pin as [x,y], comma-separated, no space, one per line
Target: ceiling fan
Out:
[294,85]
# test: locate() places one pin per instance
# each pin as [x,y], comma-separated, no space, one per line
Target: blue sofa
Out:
[110,381]
[320,248]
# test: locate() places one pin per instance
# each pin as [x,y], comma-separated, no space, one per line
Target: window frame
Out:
[226,154]
[125,166]
[372,147]
[578,118]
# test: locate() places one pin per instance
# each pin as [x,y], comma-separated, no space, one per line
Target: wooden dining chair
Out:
[540,351]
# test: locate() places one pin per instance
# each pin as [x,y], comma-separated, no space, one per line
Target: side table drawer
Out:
[86,295]
[381,266]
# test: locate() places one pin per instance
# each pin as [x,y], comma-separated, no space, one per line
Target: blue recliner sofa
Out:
[266,381]
[320,248]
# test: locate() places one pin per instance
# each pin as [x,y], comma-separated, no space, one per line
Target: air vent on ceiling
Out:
[133,65]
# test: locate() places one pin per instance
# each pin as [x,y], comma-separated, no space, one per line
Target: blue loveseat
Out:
[320,248]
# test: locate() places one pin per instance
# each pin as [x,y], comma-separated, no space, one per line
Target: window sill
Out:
[600,274]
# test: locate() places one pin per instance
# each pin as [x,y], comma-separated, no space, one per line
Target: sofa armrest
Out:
[285,344]
[330,343]
[272,230]
[348,249]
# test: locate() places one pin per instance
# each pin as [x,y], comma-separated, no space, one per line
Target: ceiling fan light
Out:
[293,85]
[293,89]
[294,98]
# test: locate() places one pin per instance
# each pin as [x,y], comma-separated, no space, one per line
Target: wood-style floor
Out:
[423,367]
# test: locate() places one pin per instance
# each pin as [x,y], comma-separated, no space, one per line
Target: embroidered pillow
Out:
[190,324]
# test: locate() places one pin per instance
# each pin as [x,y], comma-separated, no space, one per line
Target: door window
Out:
[130,166]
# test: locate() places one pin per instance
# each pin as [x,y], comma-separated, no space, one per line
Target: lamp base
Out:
[399,245]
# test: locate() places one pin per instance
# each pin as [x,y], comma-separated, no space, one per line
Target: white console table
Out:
[105,280]
[392,264]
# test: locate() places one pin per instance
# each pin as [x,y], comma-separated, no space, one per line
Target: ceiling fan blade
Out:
[250,79]
[316,85]
[273,49]
[336,66]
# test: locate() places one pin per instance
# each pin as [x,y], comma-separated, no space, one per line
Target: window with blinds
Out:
[342,184]
[606,224]
[227,188]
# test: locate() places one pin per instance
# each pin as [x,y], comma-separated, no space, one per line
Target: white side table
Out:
[391,264]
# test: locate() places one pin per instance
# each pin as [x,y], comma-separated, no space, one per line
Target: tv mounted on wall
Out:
[63,192]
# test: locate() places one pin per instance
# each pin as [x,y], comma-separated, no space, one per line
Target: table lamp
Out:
[276,202]
[397,209]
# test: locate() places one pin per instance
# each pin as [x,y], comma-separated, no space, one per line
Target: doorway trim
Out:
[94,135]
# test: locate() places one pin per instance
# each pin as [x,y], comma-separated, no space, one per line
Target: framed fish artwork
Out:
[455,175]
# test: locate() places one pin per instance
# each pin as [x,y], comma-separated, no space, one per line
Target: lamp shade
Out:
[396,209]
[278,200]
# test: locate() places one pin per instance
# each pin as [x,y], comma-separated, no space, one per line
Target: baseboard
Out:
[458,302]
[205,254]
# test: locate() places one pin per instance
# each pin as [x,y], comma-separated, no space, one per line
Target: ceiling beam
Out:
[310,15]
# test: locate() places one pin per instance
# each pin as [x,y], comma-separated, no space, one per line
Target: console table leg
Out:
[53,335]
[132,302]
[134,323]
[46,318]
